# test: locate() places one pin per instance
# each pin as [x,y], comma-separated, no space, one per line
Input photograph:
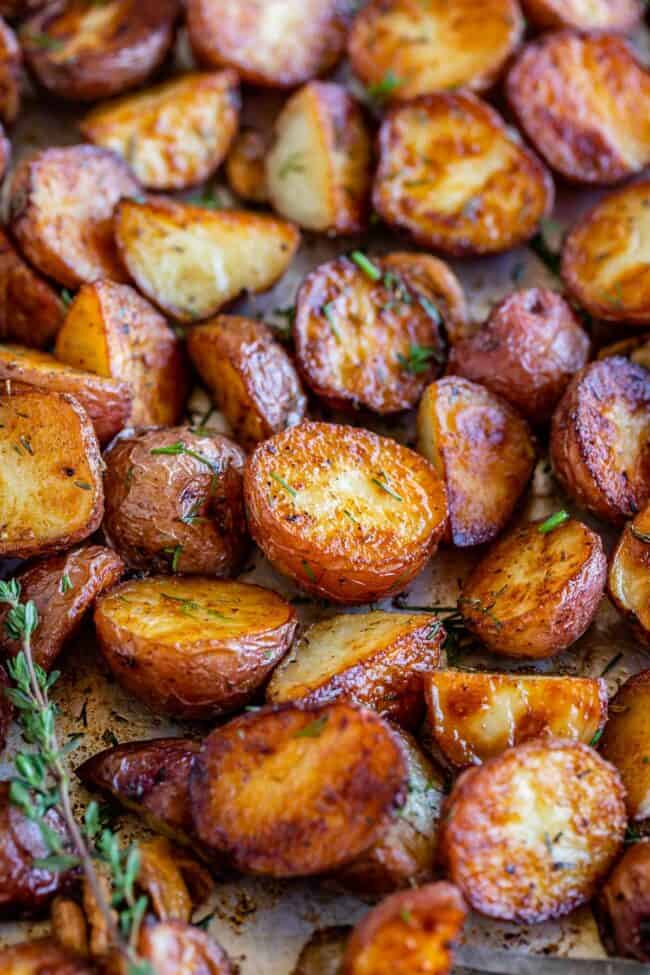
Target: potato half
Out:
[31,310]
[624,902]
[35,957]
[10,74]
[193,647]
[178,948]
[605,15]
[456,179]
[529,835]
[625,742]
[245,166]
[629,574]
[347,514]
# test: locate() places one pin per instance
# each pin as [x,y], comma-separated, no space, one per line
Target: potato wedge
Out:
[174,502]
[177,948]
[112,331]
[31,311]
[529,835]
[600,438]
[456,179]
[44,955]
[409,932]
[537,590]
[377,660]
[526,352]
[173,135]
[61,211]
[605,15]
[63,588]
[191,262]
[51,493]
[318,167]
[193,647]
[624,902]
[637,349]
[249,375]
[323,953]
[245,166]
[85,52]
[628,582]
[10,74]
[108,402]
[278,43]
[482,449]
[289,792]
[346,514]
[625,742]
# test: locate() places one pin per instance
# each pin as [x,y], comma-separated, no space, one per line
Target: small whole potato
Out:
[31,310]
[628,583]
[624,902]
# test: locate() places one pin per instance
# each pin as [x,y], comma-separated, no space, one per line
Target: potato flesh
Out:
[625,742]
[612,15]
[629,573]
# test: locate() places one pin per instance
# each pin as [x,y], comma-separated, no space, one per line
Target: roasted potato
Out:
[625,742]
[377,660]
[174,135]
[537,589]
[527,351]
[291,792]
[20,8]
[600,438]
[628,582]
[433,47]
[193,647]
[174,502]
[10,74]
[31,311]
[249,375]
[454,177]
[323,953]
[347,514]
[318,167]
[85,51]
[61,211]
[175,948]
[605,15]
[528,835]
[624,902]
[51,493]
[191,262]
[636,348]
[41,958]
[114,332]
[245,167]
[63,588]
[279,43]
[409,932]
[482,449]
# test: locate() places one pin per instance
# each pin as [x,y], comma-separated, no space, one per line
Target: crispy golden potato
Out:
[624,902]
[51,493]
[433,280]
[605,15]
[456,179]
[249,375]
[10,74]
[628,582]
[527,351]
[191,262]
[323,953]
[409,932]
[174,135]
[41,958]
[112,331]
[290,792]
[174,502]
[482,449]
[31,311]
[537,590]
[318,167]
[600,438]
[245,166]
[637,349]
[625,742]
[529,835]
[279,44]
[176,948]
[193,647]
[347,514]
[61,211]
[85,51]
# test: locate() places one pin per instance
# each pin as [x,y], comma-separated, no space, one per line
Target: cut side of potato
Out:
[51,493]
[318,167]
[174,135]
[625,742]
[600,15]
[178,948]
[36,957]
[31,311]
[482,449]
[289,792]
[347,514]
[245,167]
[529,835]
[623,903]
[629,574]
[537,590]
[193,647]
[456,179]
[600,438]
[10,74]
[190,261]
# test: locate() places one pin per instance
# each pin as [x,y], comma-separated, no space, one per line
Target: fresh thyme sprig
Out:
[457,636]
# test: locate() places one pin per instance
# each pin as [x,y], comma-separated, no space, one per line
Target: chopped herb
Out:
[65,585]
[418,358]
[287,487]
[365,264]
[594,741]
[176,551]
[378,482]
[179,448]
[209,200]
[45,41]
[289,315]
[632,835]
[129,476]
[553,522]
[430,309]
[640,536]
[67,297]
[193,517]
[27,445]
[83,485]
[308,569]
[314,729]
[294,163]
[110,738]
[189,606]
[612,663]
[382,90]
[406,916]
[348,514]
[328,312]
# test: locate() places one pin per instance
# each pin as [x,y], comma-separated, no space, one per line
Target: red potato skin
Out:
[624,902]
[10,74]
[552,14]
[31,311]
[42,957]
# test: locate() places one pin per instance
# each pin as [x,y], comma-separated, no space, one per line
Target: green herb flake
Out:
[83,485]
[294,163]
[418,359]
[176,551]
[328,311]
[553,522]
[384,486]
[612,663]
[314,729]
[383,89]
[366,265]
[67,297]
[594,741]
[406,916]
[66,584]
[287,487]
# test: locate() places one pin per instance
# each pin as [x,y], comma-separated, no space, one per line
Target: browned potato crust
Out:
[87,51]
[41,958]
[605,15]
[291,792]
[61,211]
[245,167]
[600,438]
[249,375]
[409,932]
[453,177]
[51,493]
[536,592]
[434,280]
[174,502]
[173,135]
[278,43]
[625,742]
[114,332]
[624,902]
[528,835]
[63,588]
[629,574]
[10,74]
[193,647]
[323,953]
[176,948]
[347,514]
[31,311]
[637,349]
[527,351]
